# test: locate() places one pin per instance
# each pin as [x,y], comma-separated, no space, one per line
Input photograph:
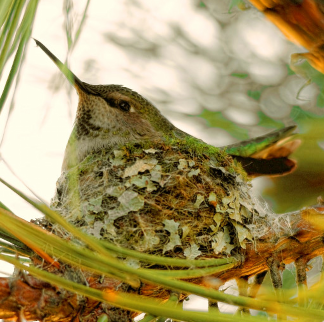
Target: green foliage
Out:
[15,33]
[240,75]
[290,71]
[289,279]
[320,98]
[254,94]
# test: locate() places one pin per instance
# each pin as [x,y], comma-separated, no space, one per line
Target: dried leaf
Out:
[156,173]
[109,226]
[95,231]
[246,213]
[152,151]
[236,216]
[193,173]
[118,159]
[199,200]
[185,231]
[94,205]
[139,166]
[221,209]
[172,227]
[222,242]
[183,164]
[192,252]
[143,182]
[150,240]
[129,201]
[228,199]
[115,191]
[221,239]
[191,163]
[218,218]
[242,233]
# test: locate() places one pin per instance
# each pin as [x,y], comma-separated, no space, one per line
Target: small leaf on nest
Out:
[245,212]
[131,262]
[152,151]
[218,218]
[213,228]
[183,164]
[242,233]
[156,173]
[150,240]
[95,204]
[236,216]
[110,228]
[247,205]
[129,201]
[139,166]
[212,199]
[222,242]
[185,231]
[172,227]
[221,209]
[88,218]
[193,173]
[231,205]
[228,199]
[143,182]
[95,231]
[199,200]
[192,252]
[115,191]
[191,163]
[118,160]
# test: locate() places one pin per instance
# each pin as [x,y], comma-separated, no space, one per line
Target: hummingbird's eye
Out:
[125,106]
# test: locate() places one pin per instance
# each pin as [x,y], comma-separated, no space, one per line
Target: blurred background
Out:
[217,72]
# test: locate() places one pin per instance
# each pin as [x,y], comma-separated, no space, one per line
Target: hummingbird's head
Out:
[109,115]
[121,114]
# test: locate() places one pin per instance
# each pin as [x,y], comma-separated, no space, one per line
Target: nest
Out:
[167,201]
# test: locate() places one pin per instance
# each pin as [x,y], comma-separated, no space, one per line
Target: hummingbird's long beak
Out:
[75,81]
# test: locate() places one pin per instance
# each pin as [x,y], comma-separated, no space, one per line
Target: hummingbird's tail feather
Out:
[253,146]
[267,154]
[280,149]
[267,167]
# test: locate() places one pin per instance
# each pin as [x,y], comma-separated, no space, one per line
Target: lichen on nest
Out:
[168,200]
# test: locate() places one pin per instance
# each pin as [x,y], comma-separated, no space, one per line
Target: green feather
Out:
[249,147]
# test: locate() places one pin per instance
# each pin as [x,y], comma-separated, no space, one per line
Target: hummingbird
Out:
[114,115]
[131,177]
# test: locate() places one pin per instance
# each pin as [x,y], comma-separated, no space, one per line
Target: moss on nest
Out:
[176,199]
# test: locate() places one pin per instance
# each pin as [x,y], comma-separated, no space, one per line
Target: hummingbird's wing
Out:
[267,154]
